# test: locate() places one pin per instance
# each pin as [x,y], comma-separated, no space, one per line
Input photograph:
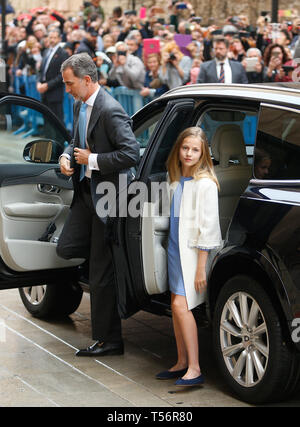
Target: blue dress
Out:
[176,283]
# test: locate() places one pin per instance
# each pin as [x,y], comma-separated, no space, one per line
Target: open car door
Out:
[34,196]
[140,238]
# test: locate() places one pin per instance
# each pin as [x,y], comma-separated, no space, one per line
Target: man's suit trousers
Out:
[83,236]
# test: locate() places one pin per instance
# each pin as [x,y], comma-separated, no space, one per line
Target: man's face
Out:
[76,86]
[132,46]
[220,50]
[39,34]
[92,39]
[53,38]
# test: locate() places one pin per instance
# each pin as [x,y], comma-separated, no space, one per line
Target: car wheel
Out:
[250,348]
[51,300]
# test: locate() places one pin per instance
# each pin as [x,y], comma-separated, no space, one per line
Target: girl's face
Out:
[190,152]
[153,64]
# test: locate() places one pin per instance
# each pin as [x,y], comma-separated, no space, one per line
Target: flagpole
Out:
[274,10]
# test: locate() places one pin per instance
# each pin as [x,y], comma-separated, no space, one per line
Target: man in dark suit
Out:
[101,124]
[50,84]
[221,69]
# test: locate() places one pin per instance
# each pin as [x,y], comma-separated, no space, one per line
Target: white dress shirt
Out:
[52,51]
[227,70]
[92,161]
[93,164]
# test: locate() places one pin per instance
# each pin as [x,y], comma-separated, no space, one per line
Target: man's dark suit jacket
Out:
[208,72]
[55,90]
[109,135]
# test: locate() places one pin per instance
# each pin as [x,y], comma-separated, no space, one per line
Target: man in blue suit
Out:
[221,69]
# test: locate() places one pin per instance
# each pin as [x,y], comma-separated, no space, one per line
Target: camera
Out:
[196,19]
[130,12]
[287,69]
[172,57]
[181,6]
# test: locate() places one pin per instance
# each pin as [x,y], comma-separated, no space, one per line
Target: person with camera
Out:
[128,70]
[253,65]
[176,67]
[179,11]
[134,42]
[274,58]
[153,86]
[130,22]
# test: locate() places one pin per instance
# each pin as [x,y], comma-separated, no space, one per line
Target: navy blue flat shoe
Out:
[170,375]
[192,382]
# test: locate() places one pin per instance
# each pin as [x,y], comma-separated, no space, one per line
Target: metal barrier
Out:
[130,99]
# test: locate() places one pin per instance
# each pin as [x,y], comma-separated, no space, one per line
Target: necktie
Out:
[82,132]
[222,74]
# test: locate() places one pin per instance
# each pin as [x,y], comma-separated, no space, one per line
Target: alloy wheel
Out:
[35,294]
[244,339]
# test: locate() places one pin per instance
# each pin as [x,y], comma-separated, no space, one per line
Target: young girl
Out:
[194,230]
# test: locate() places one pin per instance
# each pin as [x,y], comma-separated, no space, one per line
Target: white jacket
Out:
[199,228]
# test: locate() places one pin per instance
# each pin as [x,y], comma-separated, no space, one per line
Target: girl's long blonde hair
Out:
[203,168]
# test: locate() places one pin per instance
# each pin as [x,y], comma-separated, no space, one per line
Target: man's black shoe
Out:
[102,349]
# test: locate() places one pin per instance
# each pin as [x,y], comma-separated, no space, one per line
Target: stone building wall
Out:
[211,10]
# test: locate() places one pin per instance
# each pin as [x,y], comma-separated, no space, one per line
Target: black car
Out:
[253,294]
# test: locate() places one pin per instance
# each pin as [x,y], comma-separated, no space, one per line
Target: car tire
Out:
[254,359]
[46,301]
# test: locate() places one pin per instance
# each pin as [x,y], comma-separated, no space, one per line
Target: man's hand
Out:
[42,87]
[65,166]
[81,155]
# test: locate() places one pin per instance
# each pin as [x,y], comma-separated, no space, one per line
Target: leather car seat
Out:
[233,171]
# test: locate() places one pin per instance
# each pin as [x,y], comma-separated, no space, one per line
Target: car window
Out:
[277,151]
[143,132]
[20,125]
[214,121]
[178,122]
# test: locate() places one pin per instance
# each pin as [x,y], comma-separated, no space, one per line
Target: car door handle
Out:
[48,188]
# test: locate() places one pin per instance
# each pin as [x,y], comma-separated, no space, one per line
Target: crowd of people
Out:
[152,54]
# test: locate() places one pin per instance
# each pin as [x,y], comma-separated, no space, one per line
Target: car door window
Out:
[145,130]
[277,151]
[214,121]
[231,137]
[179,121]
[20,124]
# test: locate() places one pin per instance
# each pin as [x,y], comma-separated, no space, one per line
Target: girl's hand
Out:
[200,280]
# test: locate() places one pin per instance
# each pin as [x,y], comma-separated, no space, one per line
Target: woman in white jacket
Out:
[194,231]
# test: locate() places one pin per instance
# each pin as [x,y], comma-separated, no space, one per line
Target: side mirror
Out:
[42,151]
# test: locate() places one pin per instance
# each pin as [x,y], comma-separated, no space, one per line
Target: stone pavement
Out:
[38,367]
